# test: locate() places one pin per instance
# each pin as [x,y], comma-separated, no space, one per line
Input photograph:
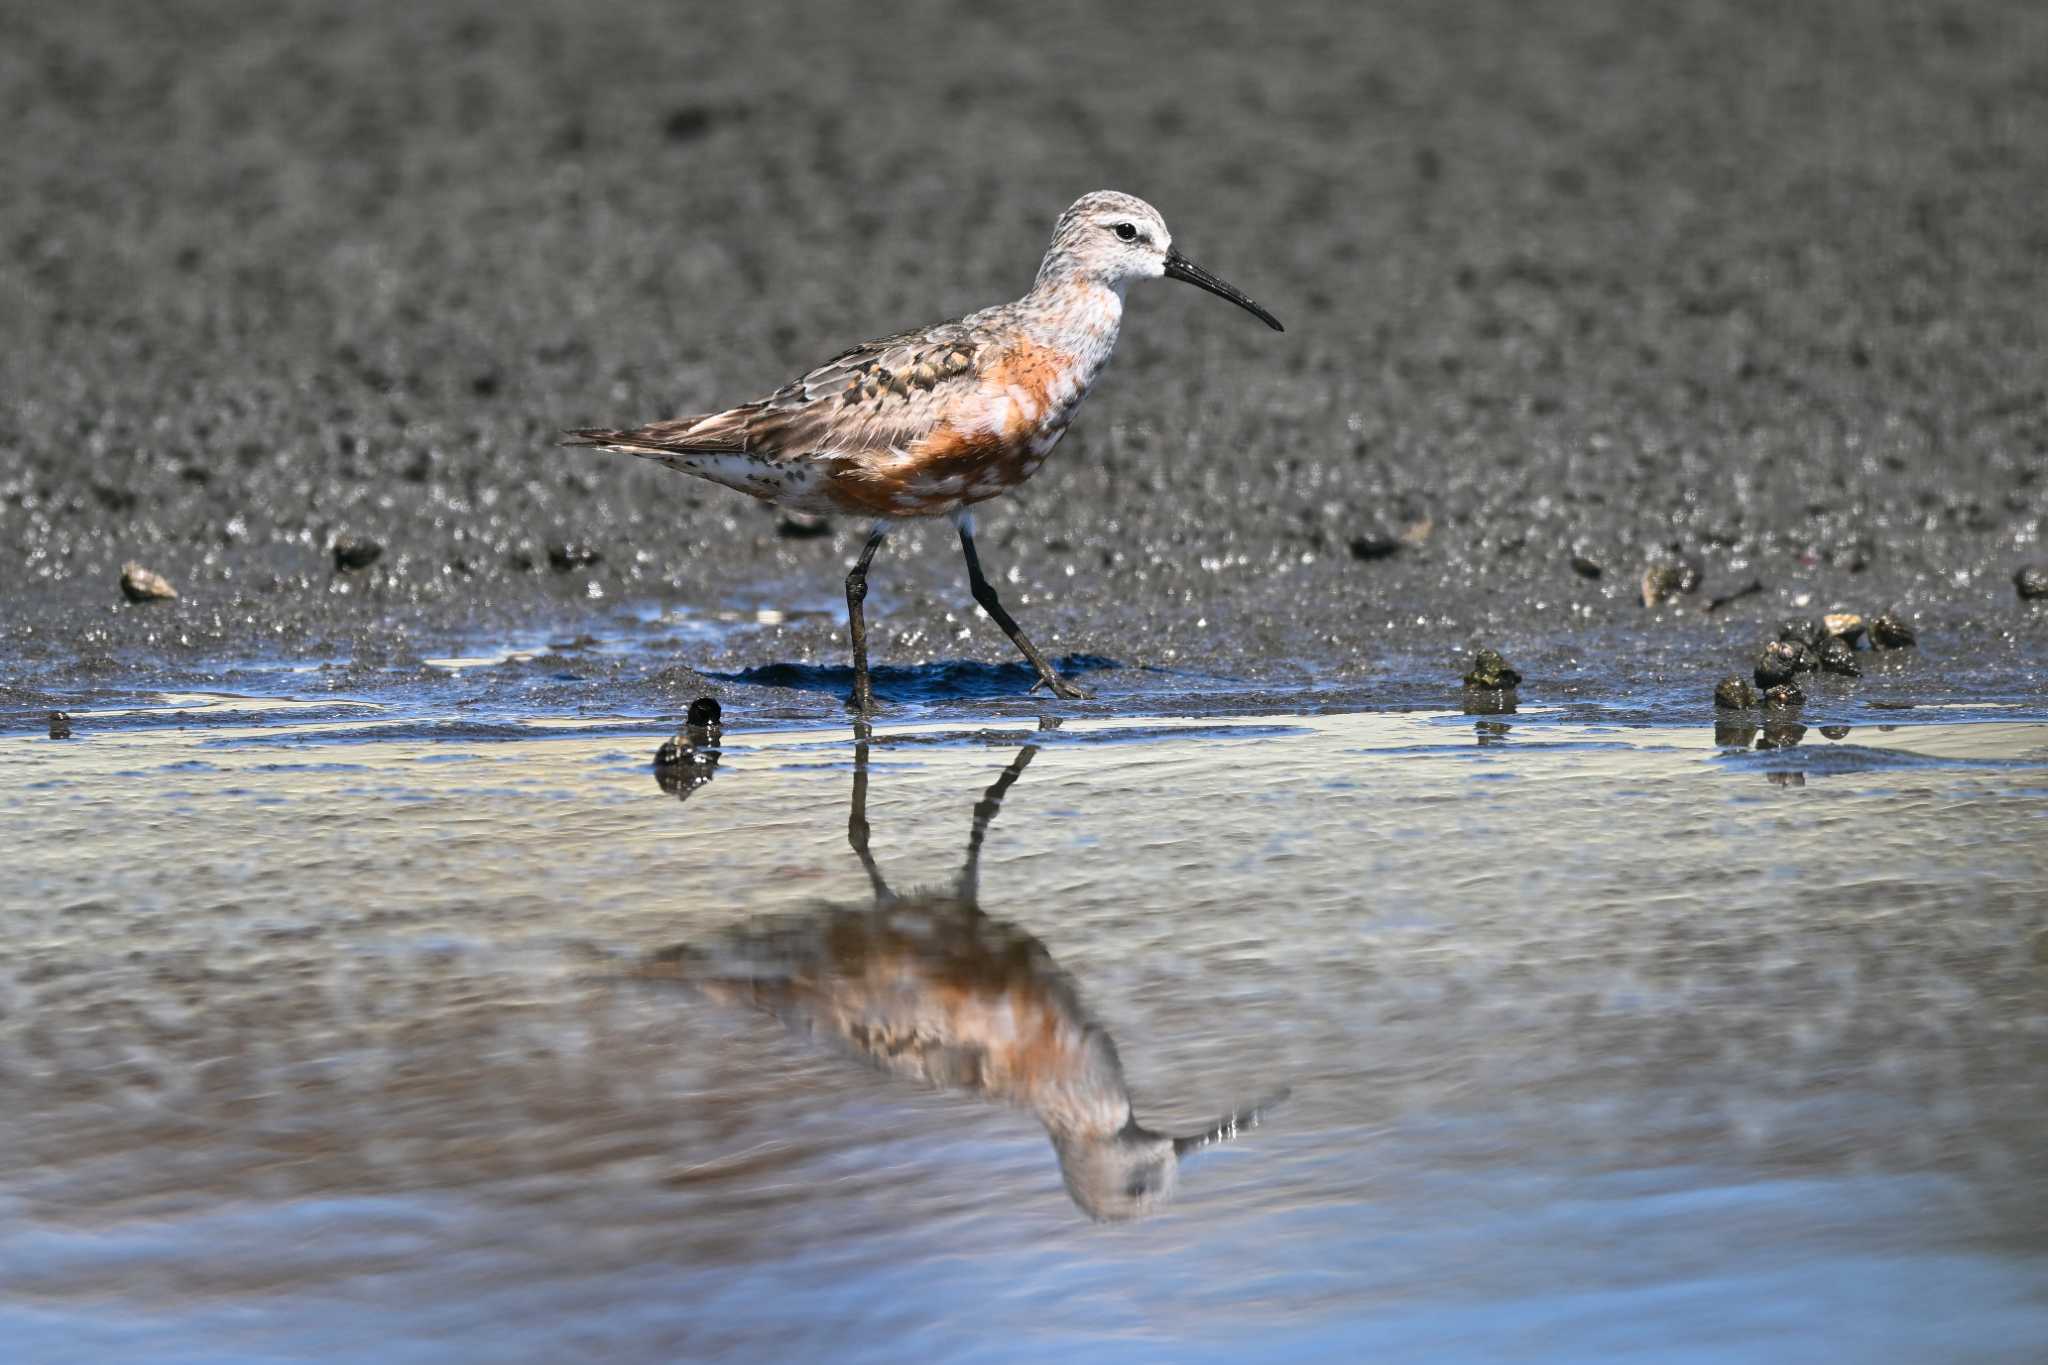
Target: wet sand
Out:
[326,1035]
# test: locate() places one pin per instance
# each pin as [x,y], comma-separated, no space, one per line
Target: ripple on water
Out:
[1641,1045]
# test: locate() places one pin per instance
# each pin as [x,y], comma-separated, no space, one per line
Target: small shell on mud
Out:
[1892,631]
[142,585]
[1781,662]
[1785,696]
[1837,656]
[1733,694]
[1379,544]
[1803,630]
[1667,580]
[1490,671]
[355,552]
[1844,625]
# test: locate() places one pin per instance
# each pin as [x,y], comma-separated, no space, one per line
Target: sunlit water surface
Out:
[326,1039]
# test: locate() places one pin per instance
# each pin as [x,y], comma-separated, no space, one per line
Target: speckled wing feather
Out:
[881,394]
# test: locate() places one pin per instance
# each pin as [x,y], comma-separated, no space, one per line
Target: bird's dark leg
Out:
[985,594]
[863,699]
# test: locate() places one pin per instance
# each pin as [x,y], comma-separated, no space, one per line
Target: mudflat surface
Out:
[1760,285]
[1603,1042]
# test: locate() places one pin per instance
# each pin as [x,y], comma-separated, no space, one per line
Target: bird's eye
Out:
[1126,232]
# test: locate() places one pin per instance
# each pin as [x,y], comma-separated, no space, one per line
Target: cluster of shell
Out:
[1490,685]
[1826,644]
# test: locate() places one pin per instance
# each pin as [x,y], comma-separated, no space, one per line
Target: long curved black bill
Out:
[1179,267]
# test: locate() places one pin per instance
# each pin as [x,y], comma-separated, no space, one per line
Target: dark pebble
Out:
[60,725]
[1375,546]
[802,526]
[522,561]
[563,558]
[1835,731]
[2031,582]
[1782,661]
[1838,656]
[1802,630]
[1785,695]
[687,123]
[114,498]
[355,552]
[1587,568]
[1492,672]
[1890,631]
[1733,694]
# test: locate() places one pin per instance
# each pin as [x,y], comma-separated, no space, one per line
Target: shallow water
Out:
[331,1031]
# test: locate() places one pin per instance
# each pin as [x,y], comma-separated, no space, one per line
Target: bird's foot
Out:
[1062,689]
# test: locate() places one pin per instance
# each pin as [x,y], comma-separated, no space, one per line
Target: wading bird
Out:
[926,986]
[930,422]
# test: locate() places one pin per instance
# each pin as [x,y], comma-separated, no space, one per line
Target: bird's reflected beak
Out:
[1231,1125]
[1179,267]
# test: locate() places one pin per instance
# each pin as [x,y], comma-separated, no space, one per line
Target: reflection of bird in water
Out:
[690,759]
[927,986]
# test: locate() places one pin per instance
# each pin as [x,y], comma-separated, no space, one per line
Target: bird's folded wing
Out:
[885,393]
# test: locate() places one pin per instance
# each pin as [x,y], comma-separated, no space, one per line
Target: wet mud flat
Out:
[298,300]
[343,1032]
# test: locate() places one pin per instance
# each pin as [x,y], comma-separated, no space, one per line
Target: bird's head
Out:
[1111,239]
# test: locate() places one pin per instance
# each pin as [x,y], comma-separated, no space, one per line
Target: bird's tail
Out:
[714,433]
[595,436]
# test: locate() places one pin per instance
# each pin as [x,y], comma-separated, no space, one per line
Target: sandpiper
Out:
[930,422]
